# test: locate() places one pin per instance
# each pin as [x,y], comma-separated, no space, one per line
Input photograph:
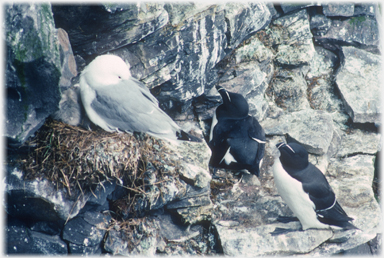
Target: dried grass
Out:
[78,160]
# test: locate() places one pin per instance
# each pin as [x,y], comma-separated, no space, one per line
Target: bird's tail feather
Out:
[181,135]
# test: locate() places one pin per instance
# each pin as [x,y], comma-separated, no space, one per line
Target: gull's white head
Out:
[106,70]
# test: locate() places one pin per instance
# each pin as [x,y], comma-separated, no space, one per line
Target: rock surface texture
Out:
[310,73]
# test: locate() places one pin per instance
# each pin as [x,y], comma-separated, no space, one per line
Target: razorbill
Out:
[115,101]
[306,190]
[236,139]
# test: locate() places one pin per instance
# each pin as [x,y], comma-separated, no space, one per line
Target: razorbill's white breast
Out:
[306,190]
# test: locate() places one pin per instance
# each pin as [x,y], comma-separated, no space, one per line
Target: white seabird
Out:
[115,101]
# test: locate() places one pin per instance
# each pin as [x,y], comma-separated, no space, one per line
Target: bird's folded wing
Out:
[317,187]
[128,109]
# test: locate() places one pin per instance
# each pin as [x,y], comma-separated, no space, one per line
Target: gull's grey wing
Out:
[129,107]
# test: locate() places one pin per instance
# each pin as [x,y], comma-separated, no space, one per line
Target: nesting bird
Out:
[306,190]
[236,139]
[115,101]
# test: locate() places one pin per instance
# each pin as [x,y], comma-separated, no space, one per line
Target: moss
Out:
[357,20]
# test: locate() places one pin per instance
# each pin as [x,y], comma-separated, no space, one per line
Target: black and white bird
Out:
[306,190]
[115,101]
[236,139]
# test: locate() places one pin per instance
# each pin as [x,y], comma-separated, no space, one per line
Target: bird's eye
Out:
[119,77]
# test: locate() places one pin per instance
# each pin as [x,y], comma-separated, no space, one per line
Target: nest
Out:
[78,160]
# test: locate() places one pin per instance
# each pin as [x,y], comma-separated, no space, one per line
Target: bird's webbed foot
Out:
[286,219]
[280,231]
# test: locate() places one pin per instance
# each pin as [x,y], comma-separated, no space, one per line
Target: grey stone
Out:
[288,7]
[245,19]
[313,129]
[335,9]
[320,24]
[290,29]
[195,166]
[359,84]
[366,9]
[359,142]
[321,93]
[295,55]
[255,241]
[32,69]
[356,30]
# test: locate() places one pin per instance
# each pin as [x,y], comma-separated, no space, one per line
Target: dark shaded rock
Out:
[39,199]
[50,228]
[84,250]
[335,9]
[21,240]
[176,233]
[47,244]
[32,69]
[96,29]
[86,232]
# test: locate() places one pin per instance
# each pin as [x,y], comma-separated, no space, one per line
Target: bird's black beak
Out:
[224,94]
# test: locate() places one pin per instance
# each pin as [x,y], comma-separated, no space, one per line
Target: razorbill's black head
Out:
[306,190]
[234,105]
[236,139]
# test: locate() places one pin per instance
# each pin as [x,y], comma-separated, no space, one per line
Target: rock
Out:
[289,90]
[21,240]
[49,228]
[32,69]
[86,232]
[356,30]
[365,9]
[335,9]
[141,239]
[48,203]
[46,244]
[359,142]
[69,69]
[175,233]
[359,70]
[290,29]
[253,241]
[70,107]
[287,7]
[313,129]
[320,24]
[320,83]
[102,28]
[245,19]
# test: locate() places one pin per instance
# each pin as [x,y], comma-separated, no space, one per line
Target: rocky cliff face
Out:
[309,72]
